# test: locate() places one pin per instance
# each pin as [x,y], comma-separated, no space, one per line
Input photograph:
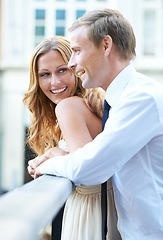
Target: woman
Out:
[65,115]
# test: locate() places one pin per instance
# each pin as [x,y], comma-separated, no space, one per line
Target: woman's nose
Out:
[54,80]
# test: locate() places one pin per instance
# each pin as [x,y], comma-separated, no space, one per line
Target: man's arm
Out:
[129,128]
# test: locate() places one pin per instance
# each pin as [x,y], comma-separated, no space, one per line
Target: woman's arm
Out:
[34,163]
[78,124]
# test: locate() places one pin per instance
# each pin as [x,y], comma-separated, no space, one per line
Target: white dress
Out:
[82,213]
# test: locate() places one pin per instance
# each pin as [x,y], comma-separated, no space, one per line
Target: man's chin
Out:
[86,83]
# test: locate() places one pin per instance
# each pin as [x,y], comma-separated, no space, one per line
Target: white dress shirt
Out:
[130,150]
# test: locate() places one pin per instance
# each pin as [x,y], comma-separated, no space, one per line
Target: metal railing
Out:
[29,208]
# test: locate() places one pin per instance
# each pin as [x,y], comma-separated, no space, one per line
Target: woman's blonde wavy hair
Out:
[44,132]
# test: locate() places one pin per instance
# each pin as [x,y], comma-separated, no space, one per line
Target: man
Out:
[130,149]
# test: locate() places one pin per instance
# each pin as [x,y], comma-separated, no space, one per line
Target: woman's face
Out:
[55,79]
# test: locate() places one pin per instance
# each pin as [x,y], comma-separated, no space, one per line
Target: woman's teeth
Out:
[58,90]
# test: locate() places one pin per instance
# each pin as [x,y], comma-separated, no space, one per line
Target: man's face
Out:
[87,60]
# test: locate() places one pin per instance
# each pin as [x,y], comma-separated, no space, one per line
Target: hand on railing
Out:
[34,163]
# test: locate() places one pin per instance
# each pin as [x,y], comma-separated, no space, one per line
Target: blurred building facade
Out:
[23,24]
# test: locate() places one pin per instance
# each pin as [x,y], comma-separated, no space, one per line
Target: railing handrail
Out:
[29,208]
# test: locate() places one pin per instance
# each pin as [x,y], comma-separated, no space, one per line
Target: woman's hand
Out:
[34,163]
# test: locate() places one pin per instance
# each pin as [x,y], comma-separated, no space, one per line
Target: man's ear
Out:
[107,41]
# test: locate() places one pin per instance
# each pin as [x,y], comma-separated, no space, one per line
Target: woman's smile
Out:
[58,91]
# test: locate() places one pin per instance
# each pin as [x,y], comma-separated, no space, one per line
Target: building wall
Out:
[12,128]
[23,25]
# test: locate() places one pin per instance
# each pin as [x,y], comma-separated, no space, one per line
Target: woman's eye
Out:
[44,74]
[62,70]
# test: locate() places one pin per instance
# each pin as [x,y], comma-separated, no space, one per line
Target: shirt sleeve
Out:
[131,125]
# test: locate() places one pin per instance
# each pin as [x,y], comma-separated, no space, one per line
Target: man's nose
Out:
[71,63]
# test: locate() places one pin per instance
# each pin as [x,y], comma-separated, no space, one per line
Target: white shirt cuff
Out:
[47,167]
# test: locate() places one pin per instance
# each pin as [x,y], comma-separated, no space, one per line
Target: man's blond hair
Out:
[109,22]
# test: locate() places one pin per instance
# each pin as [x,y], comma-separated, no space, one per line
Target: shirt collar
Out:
[118,84]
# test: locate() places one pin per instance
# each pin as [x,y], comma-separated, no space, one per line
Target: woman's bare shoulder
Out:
[70,104]
[71,113]
[76,119]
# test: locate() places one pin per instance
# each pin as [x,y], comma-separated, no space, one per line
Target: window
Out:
[149,31]
[40,16]
[60,22]
[39,31]
[60,31]
[60,14]
[80,13]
